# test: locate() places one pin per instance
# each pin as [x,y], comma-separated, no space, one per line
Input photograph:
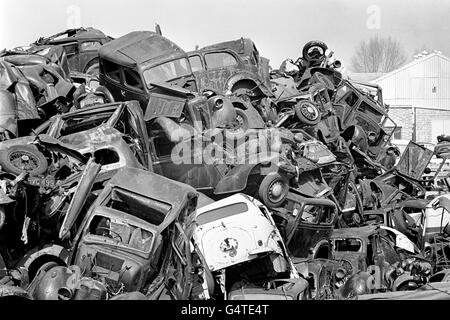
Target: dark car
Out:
[133,232]
[375,249]
[358,109]
[232,67]
[131,65]
[81,47]
[151,69]
[307,225]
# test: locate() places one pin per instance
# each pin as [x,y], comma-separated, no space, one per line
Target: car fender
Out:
[254,118]
[48,250]
[246,76]
[235,180]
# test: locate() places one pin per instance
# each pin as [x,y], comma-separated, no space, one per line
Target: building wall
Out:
[422,83]
[403,116]
[430,123]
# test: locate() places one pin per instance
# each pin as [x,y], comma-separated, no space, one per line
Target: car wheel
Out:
[93,69]
[109,98]
[273,190]
[2,217]
[241,123]
[320,44]
[307,113]
[17,159]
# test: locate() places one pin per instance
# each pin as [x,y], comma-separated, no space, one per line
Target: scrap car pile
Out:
[131,169]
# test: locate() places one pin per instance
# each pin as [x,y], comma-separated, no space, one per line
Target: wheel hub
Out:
[309,112]
[276,190]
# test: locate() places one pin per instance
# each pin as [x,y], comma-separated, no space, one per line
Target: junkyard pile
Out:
[131,169]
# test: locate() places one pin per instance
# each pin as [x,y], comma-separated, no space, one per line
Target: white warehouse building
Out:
[418,95]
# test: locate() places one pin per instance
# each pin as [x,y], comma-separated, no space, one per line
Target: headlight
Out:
[219,104]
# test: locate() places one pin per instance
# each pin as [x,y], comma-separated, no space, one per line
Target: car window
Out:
[388,250]
[121,233]
[222,212]
[349,244]
[111,70]
[365,108]
[132,79]
[351,99]
[70,48]
[196,63]
[90,45]
[317,214]
[85,122]
[219,60]
[150,210]
[167,71]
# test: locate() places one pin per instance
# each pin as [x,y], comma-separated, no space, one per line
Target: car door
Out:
[179,276]
[111,77]
[133,87]
[220,66]
[137,131]
[312,228]
[72,53]
[79,197]
[198,70]
[88,53]
[182,161]
[414,160]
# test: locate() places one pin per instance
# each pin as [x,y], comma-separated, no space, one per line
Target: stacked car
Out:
[206,175]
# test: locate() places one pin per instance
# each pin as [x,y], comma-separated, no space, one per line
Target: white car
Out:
[434,218]
[244,251]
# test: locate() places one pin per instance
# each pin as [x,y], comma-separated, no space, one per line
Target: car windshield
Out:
[348,245]
[167,71]
[222,212]
[341,92]
[120,233]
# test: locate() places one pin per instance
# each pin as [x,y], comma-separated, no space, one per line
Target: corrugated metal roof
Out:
[423,83]
[365,76]
[409,65]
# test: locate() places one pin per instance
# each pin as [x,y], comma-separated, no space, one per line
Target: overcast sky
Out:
[279,28]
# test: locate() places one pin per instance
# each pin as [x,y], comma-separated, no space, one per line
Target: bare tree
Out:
[378,55]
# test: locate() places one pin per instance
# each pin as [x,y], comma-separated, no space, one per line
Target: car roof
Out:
[242,46]
[74,34]
[154,186]
[361,232]
[414,203]
[138,47]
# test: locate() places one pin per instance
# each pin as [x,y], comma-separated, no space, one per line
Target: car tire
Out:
[314,43]
[106,93]
[2,217]
[307,113]
[242,120]
[93,69]
[273,198]
[12,160]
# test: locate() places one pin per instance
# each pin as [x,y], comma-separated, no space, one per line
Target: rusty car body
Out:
[151,69]
[129,230]
[80,45]
[33,88]
[232,67]
[237,240]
